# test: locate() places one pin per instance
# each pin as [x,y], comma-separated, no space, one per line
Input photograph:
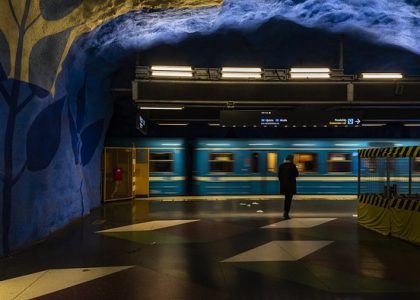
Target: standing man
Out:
[287,176]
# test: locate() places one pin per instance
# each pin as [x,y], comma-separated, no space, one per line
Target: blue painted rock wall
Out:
[52,127]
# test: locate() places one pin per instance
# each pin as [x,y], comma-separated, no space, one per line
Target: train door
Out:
[142,172]
[118,174]
[264,168]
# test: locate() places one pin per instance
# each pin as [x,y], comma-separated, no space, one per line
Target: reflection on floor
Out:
[143,250]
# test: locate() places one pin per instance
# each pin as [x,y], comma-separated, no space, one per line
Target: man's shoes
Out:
[286,217]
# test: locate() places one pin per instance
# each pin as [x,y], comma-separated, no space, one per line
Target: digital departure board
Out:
[275,118]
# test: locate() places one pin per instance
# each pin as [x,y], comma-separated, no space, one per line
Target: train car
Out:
[249,166]
[165,160]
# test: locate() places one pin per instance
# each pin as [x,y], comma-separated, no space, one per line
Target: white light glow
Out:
[171,74]
[162,107]
[218,145]
[172,68]
[310,70]
[374,125]
[171,144]
[382,76]
[214,124]
[241,70]
[173,124]
[303,145]
[241,75]
[260,144]
[347,145]
[310,75]
[412,125]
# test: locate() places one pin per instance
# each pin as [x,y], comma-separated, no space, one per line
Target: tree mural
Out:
[35,38]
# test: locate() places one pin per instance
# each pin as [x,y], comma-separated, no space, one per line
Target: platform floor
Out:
[215,250]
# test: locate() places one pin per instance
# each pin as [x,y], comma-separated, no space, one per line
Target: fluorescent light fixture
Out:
[241,75]
[147,107]
[398,145]
[354,216]
[382,76]
[346,145]
[374,125]
[171,71]
[173,124]
[171,74]
[241,70]
[310,73]
[214,124]
[172,144]
[411,125]
[172,68]
[233,72]
[303,145]
[218,145]
[310,70]
[260,144]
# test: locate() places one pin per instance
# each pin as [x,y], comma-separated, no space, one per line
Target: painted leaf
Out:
[4,57]
[43,137]
[90,140]
[80,108]
[38,91]
[43,62]
[57,9]
[73,136]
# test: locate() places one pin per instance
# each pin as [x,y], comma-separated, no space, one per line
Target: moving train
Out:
[249,166]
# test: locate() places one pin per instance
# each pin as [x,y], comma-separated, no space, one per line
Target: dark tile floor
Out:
[215,250]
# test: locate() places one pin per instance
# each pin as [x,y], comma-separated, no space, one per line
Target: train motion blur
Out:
[249,166]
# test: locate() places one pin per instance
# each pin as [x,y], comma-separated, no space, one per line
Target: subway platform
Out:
[236,249]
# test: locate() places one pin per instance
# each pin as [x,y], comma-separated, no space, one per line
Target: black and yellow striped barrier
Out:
[396,216]
[409,151]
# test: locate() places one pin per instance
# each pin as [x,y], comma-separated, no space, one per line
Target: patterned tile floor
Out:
[189,250]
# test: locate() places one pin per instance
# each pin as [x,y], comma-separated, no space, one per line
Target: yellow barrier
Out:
[398,217]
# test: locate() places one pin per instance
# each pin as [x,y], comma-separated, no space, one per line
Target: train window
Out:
[306,162]
[221,162]
[272,162]
[161,162]
[416,164]
[339,163]
[255,162]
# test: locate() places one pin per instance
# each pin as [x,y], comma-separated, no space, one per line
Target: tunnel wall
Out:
[55,108]
[55,58]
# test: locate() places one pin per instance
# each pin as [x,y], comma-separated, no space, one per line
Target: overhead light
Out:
[303,145]
[172,144]
[346,145]
[374,125]
[173,124]
[161,107]
[217,145]
[172,68]
[310,73]
[233,72]
[214,124]
[310,70]
[171,71]
[382,76]
[411,125]
[260,144]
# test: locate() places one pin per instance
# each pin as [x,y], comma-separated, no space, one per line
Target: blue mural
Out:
[51,143]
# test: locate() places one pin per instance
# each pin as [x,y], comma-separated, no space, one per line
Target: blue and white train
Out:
[249,166]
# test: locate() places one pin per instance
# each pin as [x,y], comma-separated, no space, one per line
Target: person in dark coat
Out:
[287,176]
